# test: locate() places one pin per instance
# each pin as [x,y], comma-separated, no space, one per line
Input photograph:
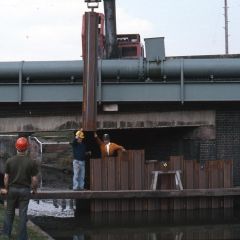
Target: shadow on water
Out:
[194,225]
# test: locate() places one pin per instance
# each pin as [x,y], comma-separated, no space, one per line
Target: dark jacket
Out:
[20,170]
[79,150]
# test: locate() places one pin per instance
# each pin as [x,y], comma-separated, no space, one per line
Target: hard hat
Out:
[106,137]
[80,134]
[21,144]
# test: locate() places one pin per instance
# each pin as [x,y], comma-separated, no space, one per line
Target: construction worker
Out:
[20,179]
[79,158]
[108,148]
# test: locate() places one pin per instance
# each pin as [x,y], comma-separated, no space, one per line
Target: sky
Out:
[33,30]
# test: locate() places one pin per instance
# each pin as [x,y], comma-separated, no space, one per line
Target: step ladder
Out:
[175,173]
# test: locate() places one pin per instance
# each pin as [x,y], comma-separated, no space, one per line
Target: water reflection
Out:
[221,232]
[150,236]
[79,237]
[192,225]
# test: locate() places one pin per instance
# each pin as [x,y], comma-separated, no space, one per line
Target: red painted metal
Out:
[129,46]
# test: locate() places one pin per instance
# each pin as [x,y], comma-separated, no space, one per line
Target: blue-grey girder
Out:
[125,69]
[123,92]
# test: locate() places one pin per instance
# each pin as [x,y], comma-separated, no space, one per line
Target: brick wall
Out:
[228,139]
[225,146]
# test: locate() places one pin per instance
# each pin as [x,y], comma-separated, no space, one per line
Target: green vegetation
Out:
[33,233]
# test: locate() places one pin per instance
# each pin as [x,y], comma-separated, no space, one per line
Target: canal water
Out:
[178,225]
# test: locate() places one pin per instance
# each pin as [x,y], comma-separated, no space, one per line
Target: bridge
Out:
[47,96]
[212,79]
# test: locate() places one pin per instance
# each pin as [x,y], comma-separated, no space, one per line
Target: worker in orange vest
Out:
[107,148]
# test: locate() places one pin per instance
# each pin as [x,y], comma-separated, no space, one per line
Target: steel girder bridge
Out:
[179,79]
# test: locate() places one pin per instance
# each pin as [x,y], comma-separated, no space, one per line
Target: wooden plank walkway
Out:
[137,194]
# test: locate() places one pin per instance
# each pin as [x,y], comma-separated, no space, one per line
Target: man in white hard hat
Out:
[107,148]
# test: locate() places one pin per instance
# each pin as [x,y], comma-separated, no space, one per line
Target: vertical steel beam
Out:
[182,82]
[226,25]
[100,81]
[20,76]
[111,29]
[90,72]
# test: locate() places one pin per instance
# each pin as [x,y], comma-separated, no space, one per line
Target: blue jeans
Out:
[17,197]
[78,174]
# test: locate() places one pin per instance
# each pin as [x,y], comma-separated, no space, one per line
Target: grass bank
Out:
[33,232]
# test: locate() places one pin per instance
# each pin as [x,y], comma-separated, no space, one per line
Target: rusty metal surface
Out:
[129,171]
[122,183]
[205,186]
[90,73]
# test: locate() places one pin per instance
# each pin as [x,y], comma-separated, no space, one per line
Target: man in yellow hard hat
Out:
[79,158]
